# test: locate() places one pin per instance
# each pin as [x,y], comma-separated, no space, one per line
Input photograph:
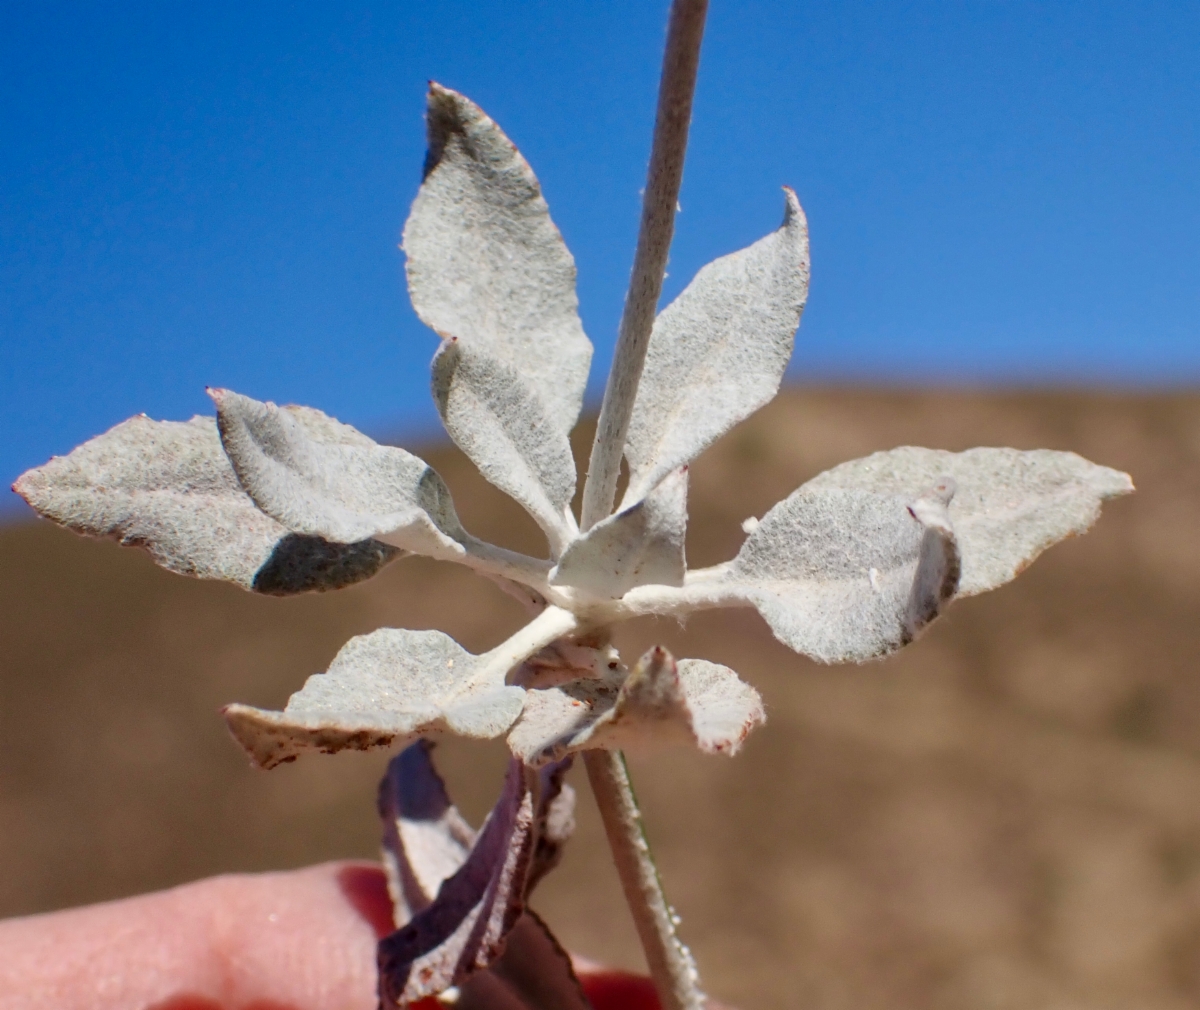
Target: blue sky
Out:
[999,192]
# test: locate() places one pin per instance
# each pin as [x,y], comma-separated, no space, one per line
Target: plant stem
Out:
[676,87]
[671,965]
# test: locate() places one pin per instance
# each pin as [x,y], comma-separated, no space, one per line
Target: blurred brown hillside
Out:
[1007,815]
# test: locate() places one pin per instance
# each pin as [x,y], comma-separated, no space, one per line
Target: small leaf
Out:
[643,545]
[383,688]
[464,928]
[848,575]
[660,701]
[496,418]
[319,477]
[168,487]
[718,352]
[485,262]
[1009,505]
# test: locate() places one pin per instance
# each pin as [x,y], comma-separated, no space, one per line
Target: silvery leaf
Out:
[485,262]
[493,414]
[1010,505]
[642,545]
[846,575]
[464,928]
[383,688]
[168,487]
[319,477]
[660,701]
[718,352]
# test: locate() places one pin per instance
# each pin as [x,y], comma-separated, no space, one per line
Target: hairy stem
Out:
[676,87]
[670,963]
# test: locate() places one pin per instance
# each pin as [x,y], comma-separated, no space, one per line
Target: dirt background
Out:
[1007,814]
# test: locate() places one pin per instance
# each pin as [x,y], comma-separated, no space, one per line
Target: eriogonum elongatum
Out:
[851,566]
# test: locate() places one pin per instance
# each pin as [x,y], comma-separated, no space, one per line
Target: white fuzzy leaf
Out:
[660,701]
[485,262]
[847,575]
[493,414]
[1010,504]
[381,689]
[167,486]
[319,477]
[642,545]
[718,352]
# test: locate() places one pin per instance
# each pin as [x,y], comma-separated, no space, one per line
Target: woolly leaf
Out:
[1010,505]
[642,545]
[495,417]
[847,575]
[319,477]
[383,688]
[485,262]
[717,353]
[464,928]
[660,701]
[167,486]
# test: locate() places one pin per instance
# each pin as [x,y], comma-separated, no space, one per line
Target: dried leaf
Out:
[168,487]
[660,701]
[493,414]
[464,928]
[533,973]
[425,839]
[642,545]
[383,688]
[555,820]
[319,477]
[485,262]
[718,352]
[847,575]
[1009,507]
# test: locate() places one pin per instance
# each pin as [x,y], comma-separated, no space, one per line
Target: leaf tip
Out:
[793,213]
